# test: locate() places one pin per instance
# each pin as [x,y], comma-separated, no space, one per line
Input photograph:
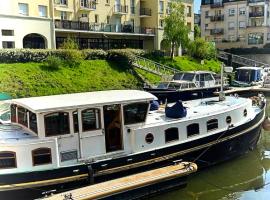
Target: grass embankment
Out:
[33,79]
[184,63]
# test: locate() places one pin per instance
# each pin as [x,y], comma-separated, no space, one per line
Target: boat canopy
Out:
[249,74]
[80,100]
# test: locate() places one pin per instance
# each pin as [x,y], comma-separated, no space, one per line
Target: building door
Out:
[118,24]
[113,127]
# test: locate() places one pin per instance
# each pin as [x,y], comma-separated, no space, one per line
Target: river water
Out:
[244,178]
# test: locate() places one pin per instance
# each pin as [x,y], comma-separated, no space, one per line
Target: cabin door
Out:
[113,127]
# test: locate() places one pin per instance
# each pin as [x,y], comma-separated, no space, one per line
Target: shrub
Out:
[72,58]
[201,49]
[93,54]
[69,43]
[123,56]
[53,63]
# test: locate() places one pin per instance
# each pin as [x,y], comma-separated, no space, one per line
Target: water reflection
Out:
[244,178]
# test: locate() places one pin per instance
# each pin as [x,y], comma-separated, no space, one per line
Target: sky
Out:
[197,4]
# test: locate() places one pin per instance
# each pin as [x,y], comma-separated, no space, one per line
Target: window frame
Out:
[7,32]
[14,156]
[20,9]
[53,135]
[211,122]
[168,133]
[189,127]
[131,104]
[97,120]
[40,9]
[41,148]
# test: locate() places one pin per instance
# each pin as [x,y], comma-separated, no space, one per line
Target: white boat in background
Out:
[62,141]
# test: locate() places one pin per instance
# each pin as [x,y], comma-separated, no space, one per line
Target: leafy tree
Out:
[201,49]
[175,30]
[197,31]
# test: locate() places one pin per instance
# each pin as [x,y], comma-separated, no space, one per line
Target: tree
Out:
[197,31]
[175,30]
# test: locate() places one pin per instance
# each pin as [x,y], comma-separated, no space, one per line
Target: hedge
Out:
[40,55]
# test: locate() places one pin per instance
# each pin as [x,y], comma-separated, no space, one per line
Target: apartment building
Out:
[236,24]
[101,24]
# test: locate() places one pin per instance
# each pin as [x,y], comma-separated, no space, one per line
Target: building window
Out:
[22,116]
[189,11]
[161,23]
[206,14]
[62,2]
[107,1]
[228,119]
[96,19]
[132,6]
[75,122]
[6,32]
[193,129]
[206,26]
[56,124]
[7,160]
[268,36]
[149,138]
[108,19]
[171,134]
[242,11]
[135,113]
[161,6]
[242,24]
[8,44]
[23,9]
[90,119]
[212,124]
[42,11]
[63,15]
[41,156]
[255,38]
[231,12]
[231,25]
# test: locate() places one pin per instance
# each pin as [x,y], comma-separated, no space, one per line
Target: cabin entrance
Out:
[113,127]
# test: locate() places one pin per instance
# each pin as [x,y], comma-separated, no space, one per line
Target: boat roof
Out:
[195,72]
[250,68]
[80,100]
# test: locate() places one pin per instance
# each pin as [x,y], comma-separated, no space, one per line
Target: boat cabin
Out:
[249,74]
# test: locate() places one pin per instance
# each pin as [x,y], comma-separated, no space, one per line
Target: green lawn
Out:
[33,79]
[186,63]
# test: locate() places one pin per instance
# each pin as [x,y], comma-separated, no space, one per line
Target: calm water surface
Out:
[244,178]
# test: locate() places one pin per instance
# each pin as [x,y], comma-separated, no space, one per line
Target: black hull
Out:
[174,95]
[205,152]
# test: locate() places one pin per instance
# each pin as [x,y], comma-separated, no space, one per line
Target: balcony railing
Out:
[145,11]
[102,27]
[217,18]
[257,1]
[256,14]
[118,9]
[216,5]
[217,31]
[90,4]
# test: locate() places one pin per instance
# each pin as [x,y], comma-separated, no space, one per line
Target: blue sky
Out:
[197,4]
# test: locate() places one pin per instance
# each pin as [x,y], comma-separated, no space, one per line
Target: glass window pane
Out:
[33,121]
[57,124]
[22,116]
[135,113]
[90,119]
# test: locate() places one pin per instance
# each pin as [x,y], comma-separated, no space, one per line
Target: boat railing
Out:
[153,67]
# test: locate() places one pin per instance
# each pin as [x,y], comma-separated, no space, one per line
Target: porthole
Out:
[149,138]
[245,113]
[228,119]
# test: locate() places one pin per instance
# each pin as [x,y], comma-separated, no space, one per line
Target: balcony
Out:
[102,27]
[216,5]
[120,9]
[256,1]
[217,18]
[145,12]
[217,31]
[256,14]
[88,5]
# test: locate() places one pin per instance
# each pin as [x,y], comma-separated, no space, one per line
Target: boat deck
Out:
[109,188]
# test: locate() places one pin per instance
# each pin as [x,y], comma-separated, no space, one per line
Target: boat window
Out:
[184,85]
[33,121]
[177,76]
[174,85]
[7,160]
[212,124]
[162,86]
[197,77]
[90,119]
[22,116]
[245,113]
[149,138]
[13,113]
[75,121]
[41,156]
[192,85]
[193,129]
[188,77]
[56,124]
[135,113]
[228,119]
[171,134]
[208,77]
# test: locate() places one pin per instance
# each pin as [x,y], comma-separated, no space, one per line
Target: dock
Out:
[256,88]
[129,184]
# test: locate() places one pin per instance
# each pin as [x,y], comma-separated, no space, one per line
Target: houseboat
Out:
[187,86]
[249,76]
[60,142]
